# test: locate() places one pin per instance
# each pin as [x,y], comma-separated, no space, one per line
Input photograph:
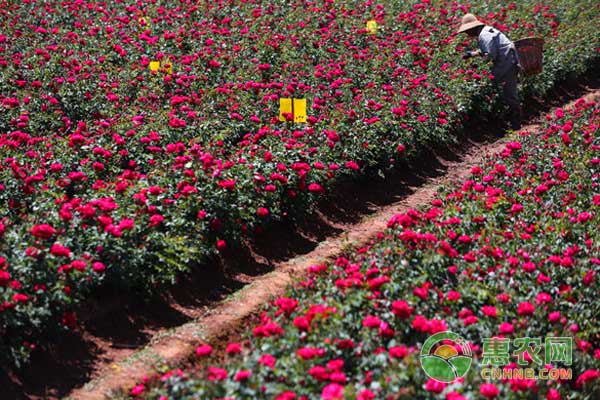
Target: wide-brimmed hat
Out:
[469,21]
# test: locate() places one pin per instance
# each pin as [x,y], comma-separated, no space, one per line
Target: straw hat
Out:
[469,21]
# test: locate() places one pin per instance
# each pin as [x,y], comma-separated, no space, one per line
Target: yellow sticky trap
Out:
[285,107]
[299,110]
[168,67]
[154,66]
[372,26]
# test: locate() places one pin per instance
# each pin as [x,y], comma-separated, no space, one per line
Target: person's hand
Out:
[468,54]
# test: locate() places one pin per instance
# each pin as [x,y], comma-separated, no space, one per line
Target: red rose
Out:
[242,375]
[79,265]
[126,223]
[401,309]
[307,353]
[455,396]
[338,377]
[228,184]
[286,304]
[553,394]
[366,394]
[587,376]
[541,189]
[233,348]
[489,390]
[453,295]
[4,278]
[490,311]
[506,328]
[156,219]
[286,396]
[137,390]
[204,350]
[525,308]
[319,373]
[20,298]
[267,360]
[315,188]
[302,323]
[333,391]
[352,165]
[98,267]
[43,231]
[434,386]
[59,250]
[398,351]
[216,374]
[371,322]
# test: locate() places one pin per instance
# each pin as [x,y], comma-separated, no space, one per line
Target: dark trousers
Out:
[507,85]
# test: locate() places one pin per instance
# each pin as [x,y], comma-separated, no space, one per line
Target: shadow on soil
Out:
[127,322]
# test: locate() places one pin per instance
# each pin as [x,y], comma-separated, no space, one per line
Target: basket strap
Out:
[513,49]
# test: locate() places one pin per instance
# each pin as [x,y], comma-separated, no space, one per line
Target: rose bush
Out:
[114,174]
[511,252]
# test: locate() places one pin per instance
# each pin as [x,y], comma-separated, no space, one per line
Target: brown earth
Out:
[129,338]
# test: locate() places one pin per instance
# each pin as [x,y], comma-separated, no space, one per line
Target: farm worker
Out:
[495,46]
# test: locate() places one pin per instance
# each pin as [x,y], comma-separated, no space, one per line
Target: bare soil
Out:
[128,337]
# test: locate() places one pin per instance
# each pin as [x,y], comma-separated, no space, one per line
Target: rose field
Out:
[512,252]
[139,140]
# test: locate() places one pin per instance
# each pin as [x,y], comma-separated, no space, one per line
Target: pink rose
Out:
[506,328]
[333,391]
[434,386]
[137,390]
[204,350]
[489,390]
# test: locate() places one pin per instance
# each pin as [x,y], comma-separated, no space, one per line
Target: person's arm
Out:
[488,47]
[471,53]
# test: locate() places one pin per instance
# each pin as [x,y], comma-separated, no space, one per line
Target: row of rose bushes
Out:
[112,174]
[511,252]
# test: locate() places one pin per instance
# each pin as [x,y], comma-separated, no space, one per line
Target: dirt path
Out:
[174,346]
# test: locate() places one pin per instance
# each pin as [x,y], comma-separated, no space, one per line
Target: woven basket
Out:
[530,54]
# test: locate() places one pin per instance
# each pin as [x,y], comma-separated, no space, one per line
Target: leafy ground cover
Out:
[115,174]
[511,253]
